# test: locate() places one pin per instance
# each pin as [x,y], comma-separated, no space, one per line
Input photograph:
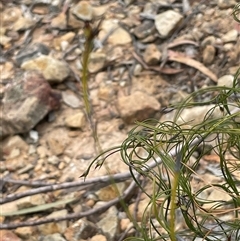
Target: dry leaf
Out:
[157,69]
[174,56]
[182,42]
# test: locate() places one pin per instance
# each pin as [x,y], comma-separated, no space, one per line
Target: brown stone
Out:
[209,54]
[26,102]
[138,106]
[7,235]
[152,55]
[52,69]
[83,11]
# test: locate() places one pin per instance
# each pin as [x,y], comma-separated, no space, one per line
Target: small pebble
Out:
[226,80]
[70,99]
[34,136]
[54,160]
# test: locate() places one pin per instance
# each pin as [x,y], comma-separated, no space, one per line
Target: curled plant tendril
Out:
[236,12]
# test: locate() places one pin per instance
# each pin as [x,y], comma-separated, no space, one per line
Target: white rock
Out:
[70,99]
[166,22]
[137,70]
[226,80]
[54,160]
[31,150]
[34,135]
[193,116]
[64,45]
[230,36]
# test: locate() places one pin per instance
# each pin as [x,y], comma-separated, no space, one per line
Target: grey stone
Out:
[30,52]
[81,229]
[166,22]
[110,223]
[26,101]
[145,29]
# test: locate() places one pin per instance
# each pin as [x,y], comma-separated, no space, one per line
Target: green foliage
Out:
[162,154]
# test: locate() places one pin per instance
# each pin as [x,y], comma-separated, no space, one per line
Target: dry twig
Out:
[120,177]
[73,215]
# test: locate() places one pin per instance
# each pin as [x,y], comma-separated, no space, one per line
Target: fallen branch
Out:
[26,183]
[73,215]
[120,177]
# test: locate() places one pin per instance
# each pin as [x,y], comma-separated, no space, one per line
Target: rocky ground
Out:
[147,55]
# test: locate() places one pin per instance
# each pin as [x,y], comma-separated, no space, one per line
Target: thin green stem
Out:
[173,206]
[85,61]
[89,35]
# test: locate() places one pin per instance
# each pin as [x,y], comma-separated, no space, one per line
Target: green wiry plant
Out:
[236,12]
[162,154]
[174,196]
